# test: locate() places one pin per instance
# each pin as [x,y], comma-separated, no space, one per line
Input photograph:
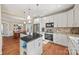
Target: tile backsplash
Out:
[69,30]
[75,30]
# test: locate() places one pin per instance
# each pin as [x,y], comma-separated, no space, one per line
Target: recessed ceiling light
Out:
[24,22]
[28,17]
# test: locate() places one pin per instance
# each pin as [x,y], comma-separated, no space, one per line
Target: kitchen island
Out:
[31,44]
[74,45]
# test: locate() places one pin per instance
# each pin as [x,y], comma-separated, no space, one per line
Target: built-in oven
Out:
[49,31]
[49,36]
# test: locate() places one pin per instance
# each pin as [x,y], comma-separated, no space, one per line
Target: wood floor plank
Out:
[10,46]
[54,49]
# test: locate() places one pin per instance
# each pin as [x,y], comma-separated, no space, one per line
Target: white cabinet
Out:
[76,16]
[71,47]
[31,48]
[38,46]
[51,19]
[55,21]
[34,47]
[42,22]
[70,20]
[65,19]
[60,39]
[60,20]
[47,19]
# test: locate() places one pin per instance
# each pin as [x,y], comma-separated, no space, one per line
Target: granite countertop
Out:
[67,33]
[30,37]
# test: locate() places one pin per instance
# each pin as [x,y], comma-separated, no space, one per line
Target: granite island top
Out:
[30,37]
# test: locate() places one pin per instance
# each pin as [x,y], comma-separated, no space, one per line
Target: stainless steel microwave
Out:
[51,24]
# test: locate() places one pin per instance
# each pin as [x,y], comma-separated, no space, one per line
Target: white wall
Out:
[7,29]
[0,33]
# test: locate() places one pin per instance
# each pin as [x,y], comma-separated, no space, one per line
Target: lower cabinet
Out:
[33,47]
[72,51]
[71,48]
[60,39]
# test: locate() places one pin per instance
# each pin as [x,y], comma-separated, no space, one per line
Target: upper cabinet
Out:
[42,22]
[73,17]
[51,19]
[60,20]
[76,16]
[65,19]
[70,19]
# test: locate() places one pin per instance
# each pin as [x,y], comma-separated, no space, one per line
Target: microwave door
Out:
[49,24]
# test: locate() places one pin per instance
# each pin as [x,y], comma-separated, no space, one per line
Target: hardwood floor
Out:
[54,49]
[10,46]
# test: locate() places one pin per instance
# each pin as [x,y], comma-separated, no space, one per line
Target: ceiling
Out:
[16,11]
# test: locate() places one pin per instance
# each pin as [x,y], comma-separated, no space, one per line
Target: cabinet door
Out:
[38,46]
[60,20]
[47,19]
[31,50]
[76,16]
[55,17]
[60,39]
[70,18]
[71,47]
[34,47]
[42,22]
[51,19]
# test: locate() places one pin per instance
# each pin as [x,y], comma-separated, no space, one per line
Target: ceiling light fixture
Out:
[28,17]
[24,22]
[37,4]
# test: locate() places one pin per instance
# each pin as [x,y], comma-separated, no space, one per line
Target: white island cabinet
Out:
[33,47]
[73,45]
